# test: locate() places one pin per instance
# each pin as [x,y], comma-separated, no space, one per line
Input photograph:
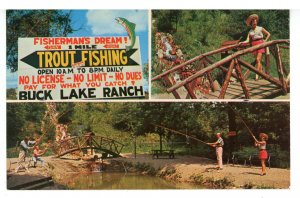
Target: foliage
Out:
[11,94]
[222,183]
[168,171]
[33,23]
[197,178]
[23,119]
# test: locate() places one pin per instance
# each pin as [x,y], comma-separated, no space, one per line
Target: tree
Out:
[33,23]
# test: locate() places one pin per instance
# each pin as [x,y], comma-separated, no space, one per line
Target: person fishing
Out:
[25,146]
[261,144]
[263,154]
[37,153]
[219,150]
[255,37]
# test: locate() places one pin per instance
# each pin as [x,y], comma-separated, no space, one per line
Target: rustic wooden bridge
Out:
[89,144]
[233,67]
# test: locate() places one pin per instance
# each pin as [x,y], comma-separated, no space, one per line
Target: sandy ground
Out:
[241,175]
[185,166]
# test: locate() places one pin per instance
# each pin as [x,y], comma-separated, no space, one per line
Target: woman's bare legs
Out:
[259,64]
[263,167]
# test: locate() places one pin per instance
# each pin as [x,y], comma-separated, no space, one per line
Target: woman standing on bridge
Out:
[255,37]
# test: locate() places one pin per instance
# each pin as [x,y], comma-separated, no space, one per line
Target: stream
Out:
[109,180]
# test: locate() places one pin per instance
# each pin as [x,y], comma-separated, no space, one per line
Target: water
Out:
[124,181]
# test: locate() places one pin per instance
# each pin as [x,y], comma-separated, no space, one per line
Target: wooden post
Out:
[241,79]
[169,83]
[209,77]
[134,146]
[267,59]
[226,82]
[211,81]
[190,90]
[280,69]
[160,142]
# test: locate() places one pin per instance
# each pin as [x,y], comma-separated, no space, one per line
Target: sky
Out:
[91,23]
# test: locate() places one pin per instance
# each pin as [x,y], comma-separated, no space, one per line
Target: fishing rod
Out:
[180,133]
[249,130]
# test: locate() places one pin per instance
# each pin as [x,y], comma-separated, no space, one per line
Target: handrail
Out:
[83,144]
[226,48]
[225,60]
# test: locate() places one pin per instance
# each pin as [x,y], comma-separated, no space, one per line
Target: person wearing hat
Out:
[256,37]
[263,154]
[219,150]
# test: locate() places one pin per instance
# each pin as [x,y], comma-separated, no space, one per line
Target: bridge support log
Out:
[241,79]
[267,59]
[169,83]
[209,66]
[211,81]
[190,91]
[226,82]
[280,69]
[262,74]
[193,60]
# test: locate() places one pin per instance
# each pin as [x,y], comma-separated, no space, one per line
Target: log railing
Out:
[88,142]
[235,62]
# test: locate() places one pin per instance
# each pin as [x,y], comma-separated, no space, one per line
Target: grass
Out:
[157,88]
[251,185]
[142,167]
[219,183]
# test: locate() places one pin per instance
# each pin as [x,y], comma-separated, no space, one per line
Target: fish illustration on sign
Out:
[130,29]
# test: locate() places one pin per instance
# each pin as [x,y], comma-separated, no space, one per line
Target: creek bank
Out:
[200,170]
[188,169]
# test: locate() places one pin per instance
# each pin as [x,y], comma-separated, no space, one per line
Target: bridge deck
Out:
[260,89]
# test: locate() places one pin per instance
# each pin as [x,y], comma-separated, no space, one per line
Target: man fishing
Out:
[25,145]
[219,150]
[218,144]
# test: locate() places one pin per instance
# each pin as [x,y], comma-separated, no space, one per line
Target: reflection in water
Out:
[124,181]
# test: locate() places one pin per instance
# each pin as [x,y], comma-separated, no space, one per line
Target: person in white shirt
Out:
[256,37]
[219,150]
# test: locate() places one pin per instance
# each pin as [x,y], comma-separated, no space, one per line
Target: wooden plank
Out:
[30,183]
[257,89]
[261,83]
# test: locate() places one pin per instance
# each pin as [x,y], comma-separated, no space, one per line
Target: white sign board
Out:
[79,68]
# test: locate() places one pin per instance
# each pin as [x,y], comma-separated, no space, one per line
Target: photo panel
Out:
[148,145]
[220,54]
[63,55]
